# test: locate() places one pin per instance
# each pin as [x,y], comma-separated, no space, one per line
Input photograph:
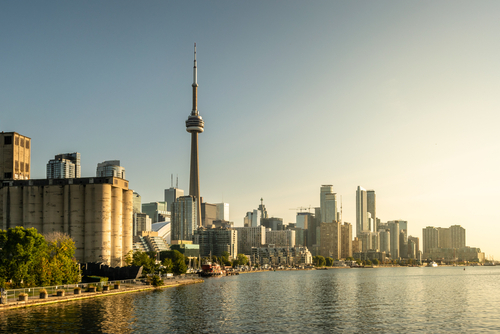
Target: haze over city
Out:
[396,97]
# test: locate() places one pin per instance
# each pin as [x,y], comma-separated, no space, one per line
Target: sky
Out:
[398,97]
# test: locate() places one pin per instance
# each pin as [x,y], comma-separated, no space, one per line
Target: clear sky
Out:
[399,97]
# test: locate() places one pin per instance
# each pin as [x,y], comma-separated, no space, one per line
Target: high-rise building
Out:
[357,245]
[64,166]
[208,214]
[371,206]
[303,220]
[195,125]
[157,211]
[273,223]
[249,237]
[413,254]
[361,211]
[457,234]
[280,238]
[15,156]
[385,240]
[430,239]
[252,219]
[328,204]
[444,237]
[183,218]
[262,209]
[222,211]
[346,240]
[394,229]
[110,168]
[330,236]
[142,223]
[137,202]
[216,241]
[171,195]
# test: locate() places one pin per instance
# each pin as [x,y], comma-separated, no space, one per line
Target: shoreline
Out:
[87,295]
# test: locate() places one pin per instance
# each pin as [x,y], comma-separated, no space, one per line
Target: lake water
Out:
[427,300]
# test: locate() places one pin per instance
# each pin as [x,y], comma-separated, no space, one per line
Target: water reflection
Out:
[346,300]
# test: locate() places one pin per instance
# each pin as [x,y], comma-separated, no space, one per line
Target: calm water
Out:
[446,299]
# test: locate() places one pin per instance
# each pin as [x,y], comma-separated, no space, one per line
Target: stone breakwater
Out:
[124,288]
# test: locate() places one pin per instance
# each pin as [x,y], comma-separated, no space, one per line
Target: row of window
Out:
[7,140]
[24,166]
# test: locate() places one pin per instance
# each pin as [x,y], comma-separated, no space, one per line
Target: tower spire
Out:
[195,85]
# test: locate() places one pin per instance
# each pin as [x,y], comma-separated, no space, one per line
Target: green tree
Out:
[375,262]
[319,261]
[148,264]
[168,266]
[242,259]
[368,262]
[328,261]
[21,253]
[179,267]
[59,261]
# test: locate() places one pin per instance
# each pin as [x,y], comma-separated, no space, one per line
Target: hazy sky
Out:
[399,97]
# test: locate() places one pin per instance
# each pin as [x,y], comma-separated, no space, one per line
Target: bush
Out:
[156,281]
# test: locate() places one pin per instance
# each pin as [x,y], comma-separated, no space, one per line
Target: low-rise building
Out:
[281,256]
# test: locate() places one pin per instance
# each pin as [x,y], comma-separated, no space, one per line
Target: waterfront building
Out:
[457,236]
[403,244]
[273,223]
[157,211]
[171,195]
[15,156]
[183,218]
[456,254]
[142,223]
[430,239]
[346,240]
[394,229]
[187,249]
[444,237]
[249,237]
[110,168]
[280,238]
[64,166]
[330,236]
[164,230]
[195,125]
[361,211]
[357,245]
[281,256]
[95,212]
[371,207]
[385,240]
[416,241]
[216,241]
[370,255]
[222,211]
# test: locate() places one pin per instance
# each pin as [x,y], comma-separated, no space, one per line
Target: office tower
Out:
[403,243]
[385,240]
[64,166]
[300,235]
[171,195]
[110,168]
[313,230]
[273,223]
[330,240]
[95,212]
[366,239]
[394,229]
[222,211]
[217,241]
[303,220]
[262,209]
[346,240]
[328,204]
[457,234]
[208,214]
[361,211]
[183,218]
[15,156]
[371,205]
[371,223]
[194,125]
[280,238]
[142,223]
[430,239]
[157,211]
[249,237]
[416,242]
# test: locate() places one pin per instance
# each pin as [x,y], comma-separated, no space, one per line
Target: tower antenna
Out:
[177,182]
[171,180]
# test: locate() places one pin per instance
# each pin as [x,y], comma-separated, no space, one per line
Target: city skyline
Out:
[399,98]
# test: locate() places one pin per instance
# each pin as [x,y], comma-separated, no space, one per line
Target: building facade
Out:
[216,241]
[330,245]
[64,166]
[346,240]
[183,218]
[249,237]
[361,211]
[110,168]
[15,156]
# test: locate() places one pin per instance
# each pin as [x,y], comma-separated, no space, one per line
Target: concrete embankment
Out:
[124,288]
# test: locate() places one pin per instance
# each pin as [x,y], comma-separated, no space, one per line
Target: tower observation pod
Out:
[195,125]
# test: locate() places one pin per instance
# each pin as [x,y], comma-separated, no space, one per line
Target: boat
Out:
[432,264]
[210,269]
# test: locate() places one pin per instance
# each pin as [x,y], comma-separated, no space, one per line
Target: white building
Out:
[64,166]
[222,211]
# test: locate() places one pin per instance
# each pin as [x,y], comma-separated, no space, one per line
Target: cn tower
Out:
[194,125]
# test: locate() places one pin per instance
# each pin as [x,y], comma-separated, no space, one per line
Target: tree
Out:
[375,262]
[368,262]
[319,261]
[329,262]
[242,259]
[21,252]
[59,260]
[148,264]
[179,267]
[168,266]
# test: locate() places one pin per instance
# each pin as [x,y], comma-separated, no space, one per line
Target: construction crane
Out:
[301,208]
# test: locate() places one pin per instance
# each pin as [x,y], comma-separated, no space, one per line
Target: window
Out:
[22,142]
[27,144]
[17,140]
[27,167]
[22,165]
[17,166]
[7,175]
[7,141]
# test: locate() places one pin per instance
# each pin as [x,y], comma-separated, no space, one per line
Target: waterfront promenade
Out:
[128,286]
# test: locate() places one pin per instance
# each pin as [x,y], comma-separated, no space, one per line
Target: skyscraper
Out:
[371,205]
[110,168]
[64,166]
[183,218]
[195,125]
[361,212]
[328,204]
